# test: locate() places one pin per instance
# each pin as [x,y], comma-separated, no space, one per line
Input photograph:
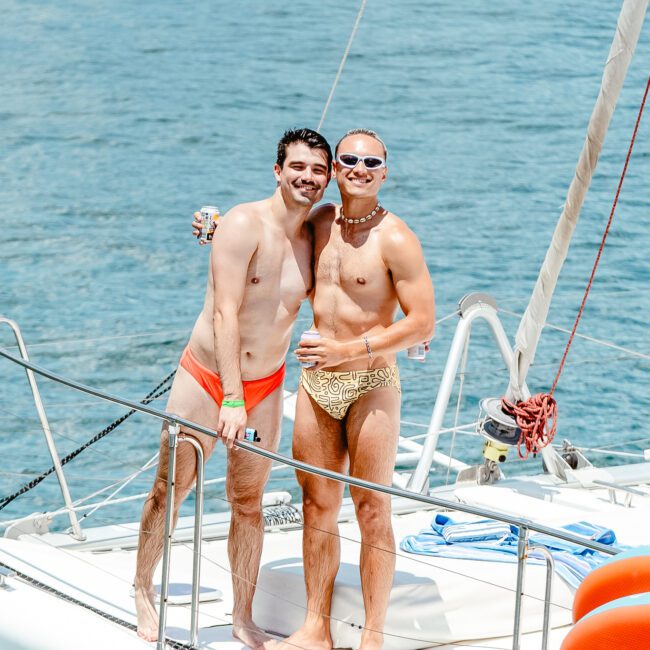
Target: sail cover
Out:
[628,28]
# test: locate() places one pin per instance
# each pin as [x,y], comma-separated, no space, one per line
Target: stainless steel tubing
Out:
[550,573]
[45,425]
[198,522]
[335,476]
[174,430]
[522,553]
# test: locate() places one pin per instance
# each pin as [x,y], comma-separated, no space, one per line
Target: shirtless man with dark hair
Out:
[231,373]
[367,263]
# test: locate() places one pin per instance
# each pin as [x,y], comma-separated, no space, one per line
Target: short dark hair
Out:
[311,138]
[367,132]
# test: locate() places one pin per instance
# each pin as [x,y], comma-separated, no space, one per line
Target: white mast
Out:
[628,28]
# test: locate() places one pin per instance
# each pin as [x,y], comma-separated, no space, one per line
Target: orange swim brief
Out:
[254,391]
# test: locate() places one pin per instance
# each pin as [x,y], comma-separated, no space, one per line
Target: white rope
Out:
[134,497]
[119,488]
[342,64]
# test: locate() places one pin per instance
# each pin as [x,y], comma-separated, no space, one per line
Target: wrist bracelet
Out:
[368,348]
[232,403]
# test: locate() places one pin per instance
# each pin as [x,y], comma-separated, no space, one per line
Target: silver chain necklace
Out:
[368,217]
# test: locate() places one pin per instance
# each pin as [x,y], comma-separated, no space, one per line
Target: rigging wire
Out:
[157,391]
[582,336]
[492,370]
[342,65]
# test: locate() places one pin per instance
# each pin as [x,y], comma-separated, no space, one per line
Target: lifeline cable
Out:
[154,394]
[537,416]
[177,645]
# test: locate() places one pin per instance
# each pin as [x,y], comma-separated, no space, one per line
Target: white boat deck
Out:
[441,602]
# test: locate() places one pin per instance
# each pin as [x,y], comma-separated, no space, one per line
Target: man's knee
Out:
[321,500]
[373,514]
[249,507]
[245,496]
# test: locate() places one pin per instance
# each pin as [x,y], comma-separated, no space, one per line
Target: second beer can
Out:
[309,335]
[417,352]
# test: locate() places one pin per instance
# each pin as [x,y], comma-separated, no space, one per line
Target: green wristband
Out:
[232,403]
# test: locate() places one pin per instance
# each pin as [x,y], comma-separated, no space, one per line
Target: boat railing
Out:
[45,425]
[472,307]
[524,526]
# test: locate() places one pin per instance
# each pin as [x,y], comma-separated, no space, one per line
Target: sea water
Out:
[118,120]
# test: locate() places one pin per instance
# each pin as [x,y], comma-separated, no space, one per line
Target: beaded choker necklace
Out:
[368,217]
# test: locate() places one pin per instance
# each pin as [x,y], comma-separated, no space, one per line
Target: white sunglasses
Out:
[351,160]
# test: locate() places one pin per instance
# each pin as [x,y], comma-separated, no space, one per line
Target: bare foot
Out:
[371,640]
[306,638]
[251,635]
[145,609]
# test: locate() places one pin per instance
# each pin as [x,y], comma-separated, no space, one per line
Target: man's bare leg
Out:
[246,479]
[188,400]
[372,428]
[318,440]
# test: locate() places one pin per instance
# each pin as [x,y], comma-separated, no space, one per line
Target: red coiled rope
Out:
[537,416]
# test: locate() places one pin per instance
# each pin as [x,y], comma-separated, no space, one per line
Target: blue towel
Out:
[484,530]
[495,542]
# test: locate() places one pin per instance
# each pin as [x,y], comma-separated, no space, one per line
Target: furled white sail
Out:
[628,28]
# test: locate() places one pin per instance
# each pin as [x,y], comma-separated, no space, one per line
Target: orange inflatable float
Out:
[621,575]
[623,624]
[611,609]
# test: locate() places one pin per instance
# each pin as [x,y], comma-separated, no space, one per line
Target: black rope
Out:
[177,645]
[154,394]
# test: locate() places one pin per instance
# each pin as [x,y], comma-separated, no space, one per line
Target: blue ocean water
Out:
[119,119]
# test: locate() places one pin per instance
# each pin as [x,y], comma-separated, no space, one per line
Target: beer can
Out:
[250,435]
[417,352]
[209,221]
[309,335]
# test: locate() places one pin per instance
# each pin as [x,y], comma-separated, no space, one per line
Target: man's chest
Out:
[281,269]
[354,264]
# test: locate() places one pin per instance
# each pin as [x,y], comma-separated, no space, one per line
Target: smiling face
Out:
[360,182]
[304,174]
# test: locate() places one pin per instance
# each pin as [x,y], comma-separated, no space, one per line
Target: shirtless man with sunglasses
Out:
[367,263]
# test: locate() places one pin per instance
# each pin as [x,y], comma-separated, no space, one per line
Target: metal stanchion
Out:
[198,519]
[174,440]
[550,572]
[522,552]
[174,430]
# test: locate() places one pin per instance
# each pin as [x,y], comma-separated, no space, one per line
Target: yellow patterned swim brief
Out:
[335,392]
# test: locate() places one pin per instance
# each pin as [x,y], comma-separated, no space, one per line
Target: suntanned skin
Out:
[262,272]
[363,273]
